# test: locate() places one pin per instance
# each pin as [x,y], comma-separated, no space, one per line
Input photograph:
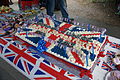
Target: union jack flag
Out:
[32,65]
[115,45]
[106,67]
[110,53]
[110,63]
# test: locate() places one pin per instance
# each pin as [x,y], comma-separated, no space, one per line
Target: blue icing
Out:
[101,39]
[60,51]
[41,46]
[41,42]
[95,38]
[25,29]
[92,56]
[85,51]
[34,39]
[77,29]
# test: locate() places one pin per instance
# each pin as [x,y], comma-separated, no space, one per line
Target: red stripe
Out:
[53,37]
[24,49]
[117,46]
[26,67]
[47,21]
[90,34]
[9,55]
[22,33]
[71,75]
[47,44]
[76,56]
[43,78]
[16,59]
[3,41]
[54,73]
[22,53]
[64,27]
[62,72]
[25,33]
[53,65]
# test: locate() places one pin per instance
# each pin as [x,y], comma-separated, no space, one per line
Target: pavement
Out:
[97,14]
[7,72]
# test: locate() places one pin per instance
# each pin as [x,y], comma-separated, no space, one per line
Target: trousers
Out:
[51,6]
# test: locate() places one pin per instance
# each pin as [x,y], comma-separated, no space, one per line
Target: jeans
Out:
[51,7]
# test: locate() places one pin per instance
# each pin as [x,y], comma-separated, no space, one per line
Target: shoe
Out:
[68,20]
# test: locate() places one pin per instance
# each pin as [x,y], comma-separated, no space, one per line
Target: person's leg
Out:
[50,7]
[63,8]
[57,6]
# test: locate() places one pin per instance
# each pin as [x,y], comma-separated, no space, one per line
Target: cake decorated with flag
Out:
[78,51]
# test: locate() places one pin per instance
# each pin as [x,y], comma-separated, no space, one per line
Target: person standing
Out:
[51,6]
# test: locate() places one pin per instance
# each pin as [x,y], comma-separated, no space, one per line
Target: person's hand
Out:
[42,8]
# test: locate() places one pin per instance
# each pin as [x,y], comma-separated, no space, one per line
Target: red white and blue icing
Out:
[77,51]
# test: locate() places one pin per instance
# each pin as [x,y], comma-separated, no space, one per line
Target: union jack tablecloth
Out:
[31,65]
